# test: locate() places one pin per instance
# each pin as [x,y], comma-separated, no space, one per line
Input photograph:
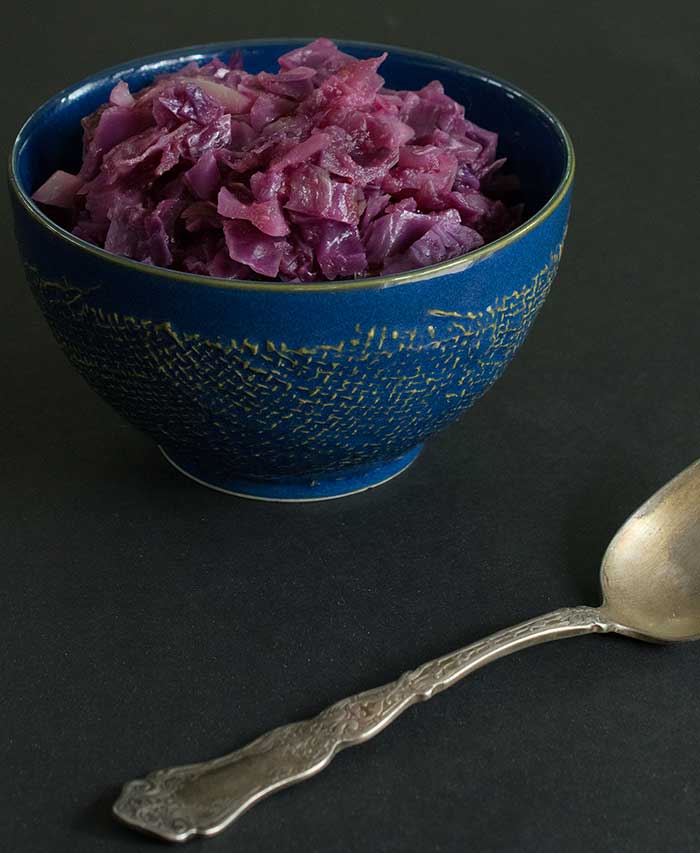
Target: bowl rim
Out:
[373,282]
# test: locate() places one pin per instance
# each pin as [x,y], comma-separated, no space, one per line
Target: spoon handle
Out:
[202,799]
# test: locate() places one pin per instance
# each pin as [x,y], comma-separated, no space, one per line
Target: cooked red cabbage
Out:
[315,173]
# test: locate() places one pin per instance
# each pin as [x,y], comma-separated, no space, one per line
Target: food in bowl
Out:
[316,172]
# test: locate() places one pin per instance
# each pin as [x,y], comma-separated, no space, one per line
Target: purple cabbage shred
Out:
[315,173]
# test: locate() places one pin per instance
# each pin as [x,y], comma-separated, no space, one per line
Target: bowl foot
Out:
[322,487]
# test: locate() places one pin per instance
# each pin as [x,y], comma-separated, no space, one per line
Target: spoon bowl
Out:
[650,572]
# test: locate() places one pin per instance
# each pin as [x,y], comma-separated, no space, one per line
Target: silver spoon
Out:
[651,591]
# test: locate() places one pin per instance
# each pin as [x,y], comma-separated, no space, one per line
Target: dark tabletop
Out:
[146,621]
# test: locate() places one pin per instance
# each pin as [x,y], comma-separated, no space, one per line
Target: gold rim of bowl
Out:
[379,282]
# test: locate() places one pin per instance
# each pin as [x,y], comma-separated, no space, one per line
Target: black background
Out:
[147,621]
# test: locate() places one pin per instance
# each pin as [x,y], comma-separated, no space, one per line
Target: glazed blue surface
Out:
[295,392]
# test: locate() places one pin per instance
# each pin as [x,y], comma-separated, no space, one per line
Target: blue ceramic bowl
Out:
[295,391]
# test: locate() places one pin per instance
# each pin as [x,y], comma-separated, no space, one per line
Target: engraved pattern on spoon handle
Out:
[202,799]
